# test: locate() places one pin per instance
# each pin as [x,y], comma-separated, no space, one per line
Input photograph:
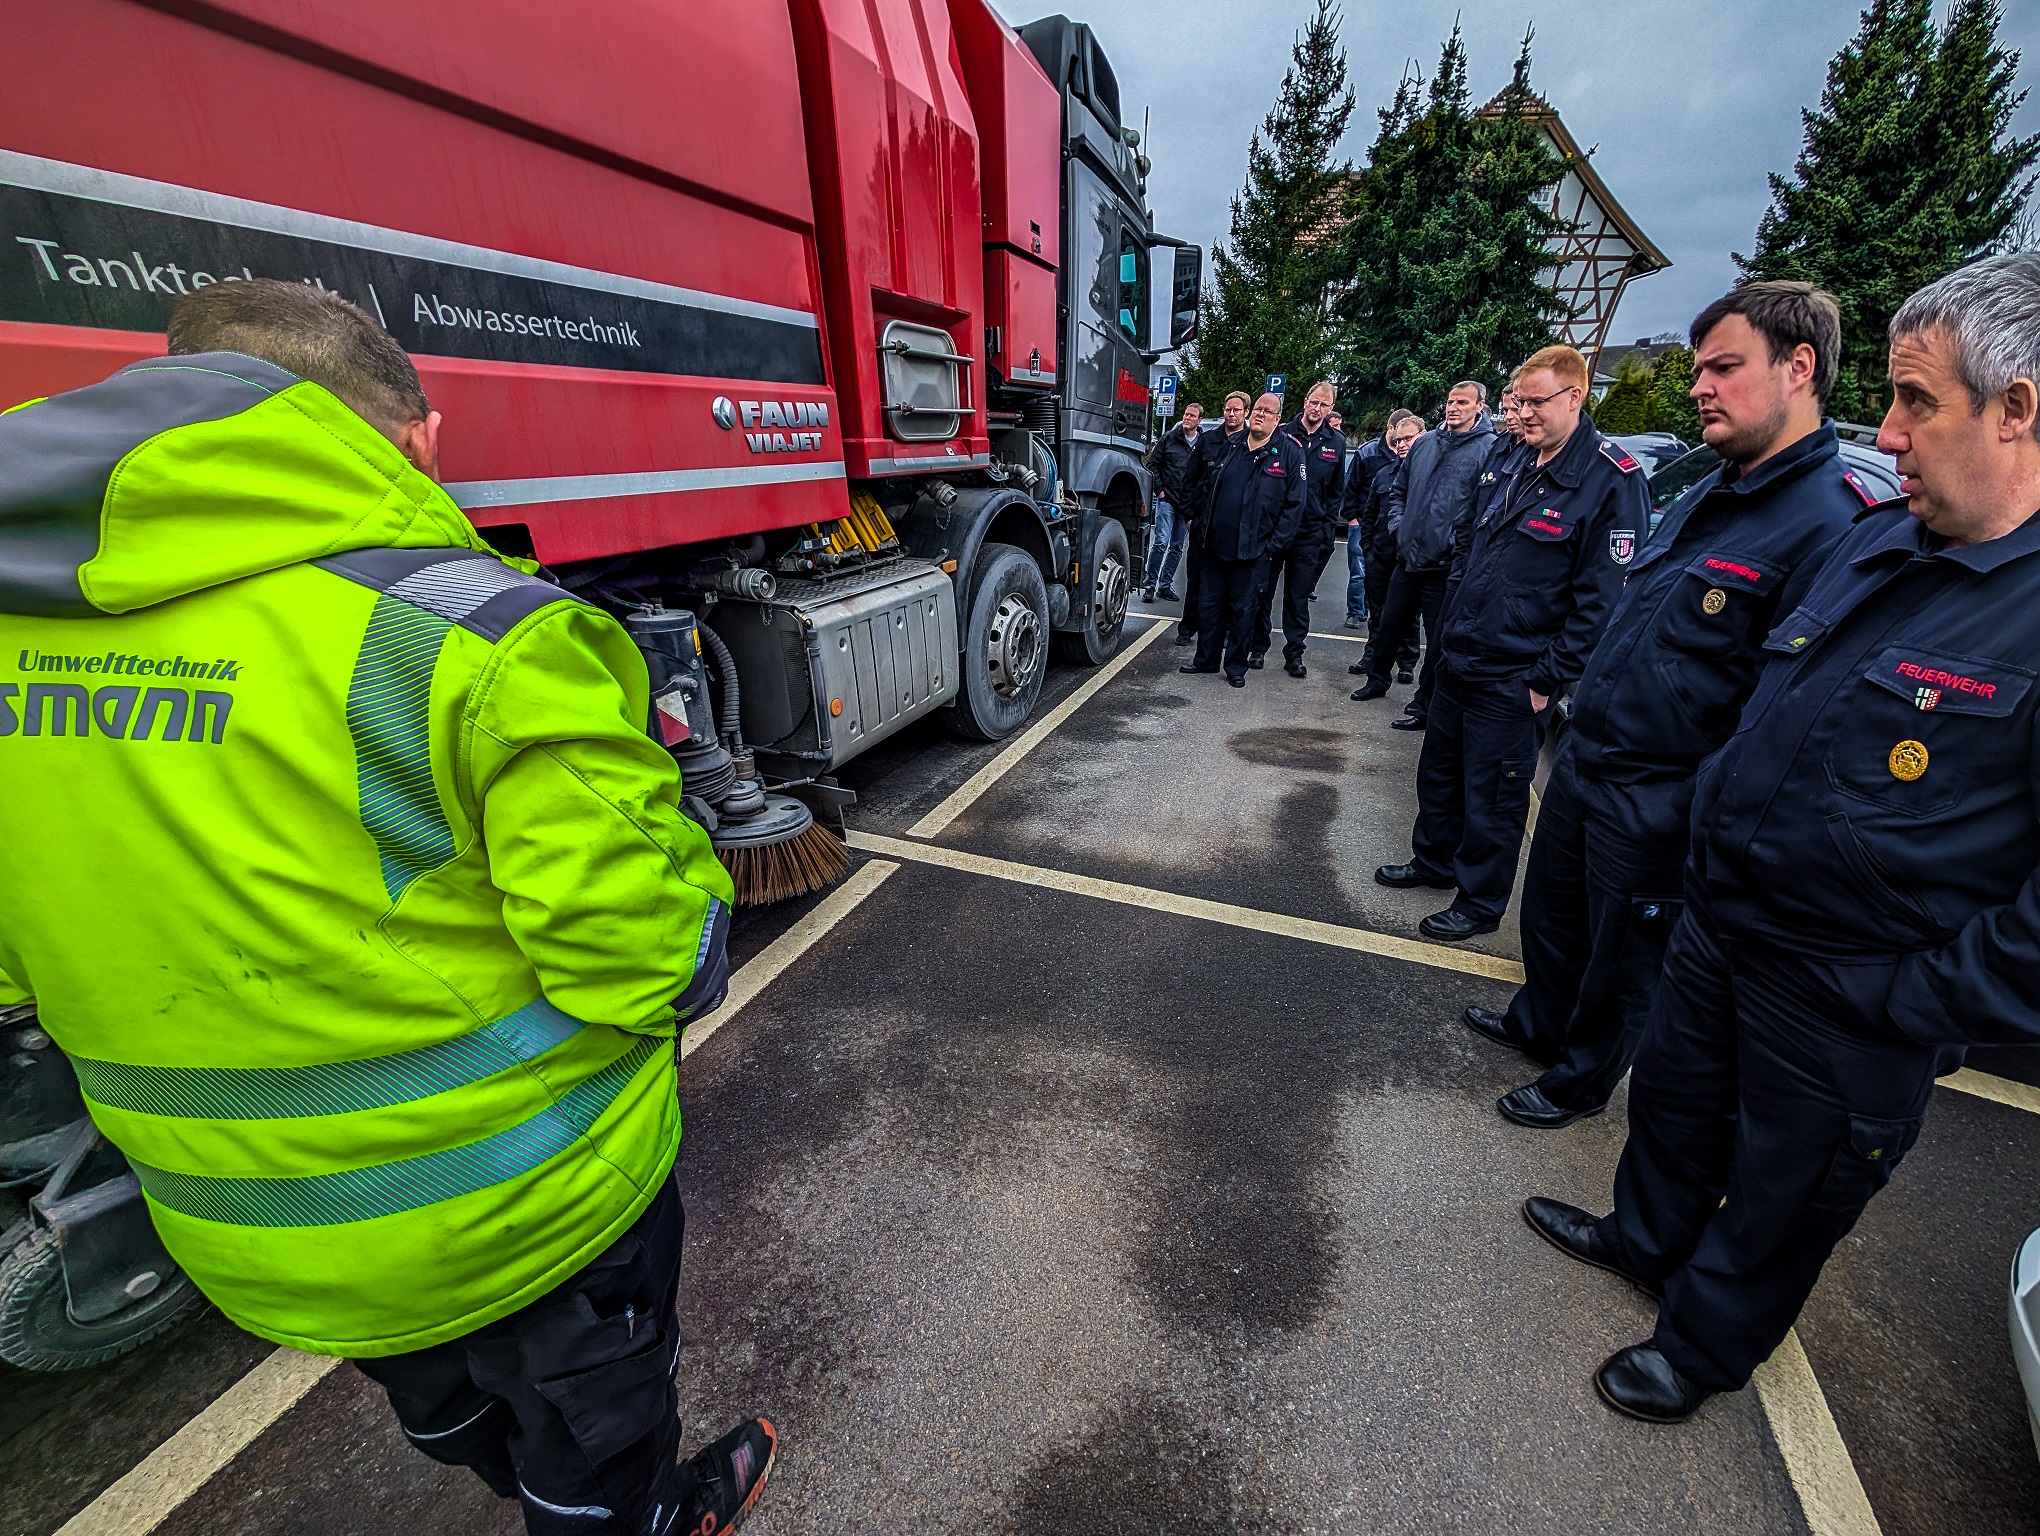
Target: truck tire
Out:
[37,1332]
[1109,569]
[1005,655]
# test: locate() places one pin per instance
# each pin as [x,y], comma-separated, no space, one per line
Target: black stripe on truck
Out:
[87,248]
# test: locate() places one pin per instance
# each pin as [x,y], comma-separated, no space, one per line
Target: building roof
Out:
[1649,258]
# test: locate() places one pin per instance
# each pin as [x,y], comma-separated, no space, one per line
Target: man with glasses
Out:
[1530,596]
[1253,502]
[1303,562]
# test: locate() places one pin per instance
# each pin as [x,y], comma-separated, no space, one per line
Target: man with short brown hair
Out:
[1528,601]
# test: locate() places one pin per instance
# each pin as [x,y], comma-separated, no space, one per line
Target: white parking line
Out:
[2001,1090]
[960,801]
[1823,1473]
[148,1494]
[180,1466]
[1470,962]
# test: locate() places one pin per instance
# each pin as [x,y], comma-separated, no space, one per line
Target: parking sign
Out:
[1275,383]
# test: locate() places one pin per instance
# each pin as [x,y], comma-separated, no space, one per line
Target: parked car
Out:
[2026,1327]
[1877,471]
[1654,450]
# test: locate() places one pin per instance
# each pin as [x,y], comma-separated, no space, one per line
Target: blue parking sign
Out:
[1275,383]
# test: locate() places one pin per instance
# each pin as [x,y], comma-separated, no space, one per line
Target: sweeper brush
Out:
[780,852]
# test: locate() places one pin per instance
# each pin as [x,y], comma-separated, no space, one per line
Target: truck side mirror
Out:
[1189,286]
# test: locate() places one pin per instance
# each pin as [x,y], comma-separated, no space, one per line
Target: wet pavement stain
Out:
[1306,748]
[1145,1470]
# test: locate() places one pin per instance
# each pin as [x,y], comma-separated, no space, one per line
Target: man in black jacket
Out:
[1663,689]
[1253,500]
[1232,421]
[1864,884]
[1168,462]
[1536,585]
[1429,504]
[1301,564]
[1369,512]
[1368,462]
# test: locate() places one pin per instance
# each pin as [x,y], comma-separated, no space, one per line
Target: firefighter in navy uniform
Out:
[1301,565]
[1528,599]
[1210,447]
[1864,891]
[1663,689]
[1253,500]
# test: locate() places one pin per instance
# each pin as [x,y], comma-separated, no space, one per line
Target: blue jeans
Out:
[1172,536]
[1356,577]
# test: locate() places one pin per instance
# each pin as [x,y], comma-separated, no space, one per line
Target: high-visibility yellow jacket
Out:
[337,858]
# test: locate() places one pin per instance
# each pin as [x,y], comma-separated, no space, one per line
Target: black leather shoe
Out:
[1189,639]
[1166,595]
[1373,688]
[1642,1383]
[1405,675]
[1258,660]
[1358,669]
[1407,876]
[1193,667]
[1407,723]
[1452,925]
[1494,1023]
[1237,682]
[1296,669]
[1528,1106]
[1576,1234]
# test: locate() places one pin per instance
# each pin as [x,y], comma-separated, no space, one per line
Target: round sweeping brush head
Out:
[779,853]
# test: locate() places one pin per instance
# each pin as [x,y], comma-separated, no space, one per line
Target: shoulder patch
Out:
[462,586]
[1856,484]
[1618,456]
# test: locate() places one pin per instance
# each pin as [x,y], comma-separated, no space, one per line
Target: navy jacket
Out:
[1544,565]
[1324,474]
[1681,651]
[1879,797]
[1372,457]
[1204,453]
[1271,506]
[1431,501]
[1377,539]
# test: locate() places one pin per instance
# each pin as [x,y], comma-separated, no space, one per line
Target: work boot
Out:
[1577,1234]
[1373,688]
[1642,1383]
[728,1477]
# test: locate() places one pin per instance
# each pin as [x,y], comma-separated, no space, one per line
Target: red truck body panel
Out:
[640,251]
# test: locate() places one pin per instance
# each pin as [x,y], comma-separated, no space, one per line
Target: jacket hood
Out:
[182,473]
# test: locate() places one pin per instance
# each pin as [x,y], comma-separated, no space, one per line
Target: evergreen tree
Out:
[1449,243]
[1266,310]
[1626,404]
[1905,174]
[1671,399]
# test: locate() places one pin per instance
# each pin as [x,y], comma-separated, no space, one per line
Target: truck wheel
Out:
[1111,572]
[1004,654]
[37,1332]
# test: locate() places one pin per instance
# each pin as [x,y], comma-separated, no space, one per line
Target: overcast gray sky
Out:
[1691,102]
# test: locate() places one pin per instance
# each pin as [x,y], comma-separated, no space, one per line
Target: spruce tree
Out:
[1906,173]
[1450,243]
[1671,396]
[1266,310]
[1626,404]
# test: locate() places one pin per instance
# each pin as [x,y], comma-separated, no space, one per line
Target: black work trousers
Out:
[1379,571]
[1225,611]
[1604,884]
[1411,595]
[568,1404]
[1473,789]
[1299,567]
[1770,1100]
[1193,573]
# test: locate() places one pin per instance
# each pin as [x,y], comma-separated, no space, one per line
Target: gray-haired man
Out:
[1864,891]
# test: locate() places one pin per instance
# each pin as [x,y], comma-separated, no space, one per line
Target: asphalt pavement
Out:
[1021,1204]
